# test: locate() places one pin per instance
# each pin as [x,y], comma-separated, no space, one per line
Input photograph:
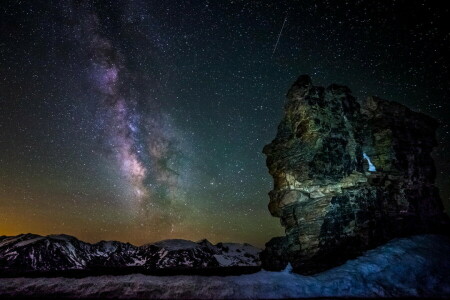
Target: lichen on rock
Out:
[348,177]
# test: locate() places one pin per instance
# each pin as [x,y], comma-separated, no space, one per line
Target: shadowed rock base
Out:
[348,177]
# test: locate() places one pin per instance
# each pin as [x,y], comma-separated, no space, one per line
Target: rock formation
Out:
[348,177]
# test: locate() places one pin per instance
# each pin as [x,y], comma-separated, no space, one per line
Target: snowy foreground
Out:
[416,266]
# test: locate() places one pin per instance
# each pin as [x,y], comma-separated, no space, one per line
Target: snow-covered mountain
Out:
[31,252]
[28,253]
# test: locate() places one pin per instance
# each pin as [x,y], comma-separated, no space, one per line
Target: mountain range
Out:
[64,255]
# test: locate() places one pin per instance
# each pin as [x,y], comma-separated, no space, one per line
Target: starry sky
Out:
[145,120]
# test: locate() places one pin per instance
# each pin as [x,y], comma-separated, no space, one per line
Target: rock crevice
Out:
[348,176]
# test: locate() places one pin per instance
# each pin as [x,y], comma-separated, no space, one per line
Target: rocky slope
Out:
[348,177]
[58,254]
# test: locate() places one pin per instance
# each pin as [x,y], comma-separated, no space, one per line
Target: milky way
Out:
[146,144]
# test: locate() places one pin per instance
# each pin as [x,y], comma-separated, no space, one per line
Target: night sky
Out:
[145,120]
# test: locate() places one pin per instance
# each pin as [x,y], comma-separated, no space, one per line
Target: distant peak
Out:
[204,242]
[175,244]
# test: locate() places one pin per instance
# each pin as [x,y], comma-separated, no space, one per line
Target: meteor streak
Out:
[279,35]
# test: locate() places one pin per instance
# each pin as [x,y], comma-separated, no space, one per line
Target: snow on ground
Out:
[416,266]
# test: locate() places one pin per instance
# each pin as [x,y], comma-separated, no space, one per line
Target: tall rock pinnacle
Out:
[348,177]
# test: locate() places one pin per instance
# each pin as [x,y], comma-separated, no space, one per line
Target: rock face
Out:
[59,255]
[348,177]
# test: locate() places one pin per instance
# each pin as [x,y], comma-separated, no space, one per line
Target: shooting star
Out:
[279,35]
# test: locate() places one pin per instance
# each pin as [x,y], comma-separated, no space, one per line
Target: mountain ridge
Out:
[62,254]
